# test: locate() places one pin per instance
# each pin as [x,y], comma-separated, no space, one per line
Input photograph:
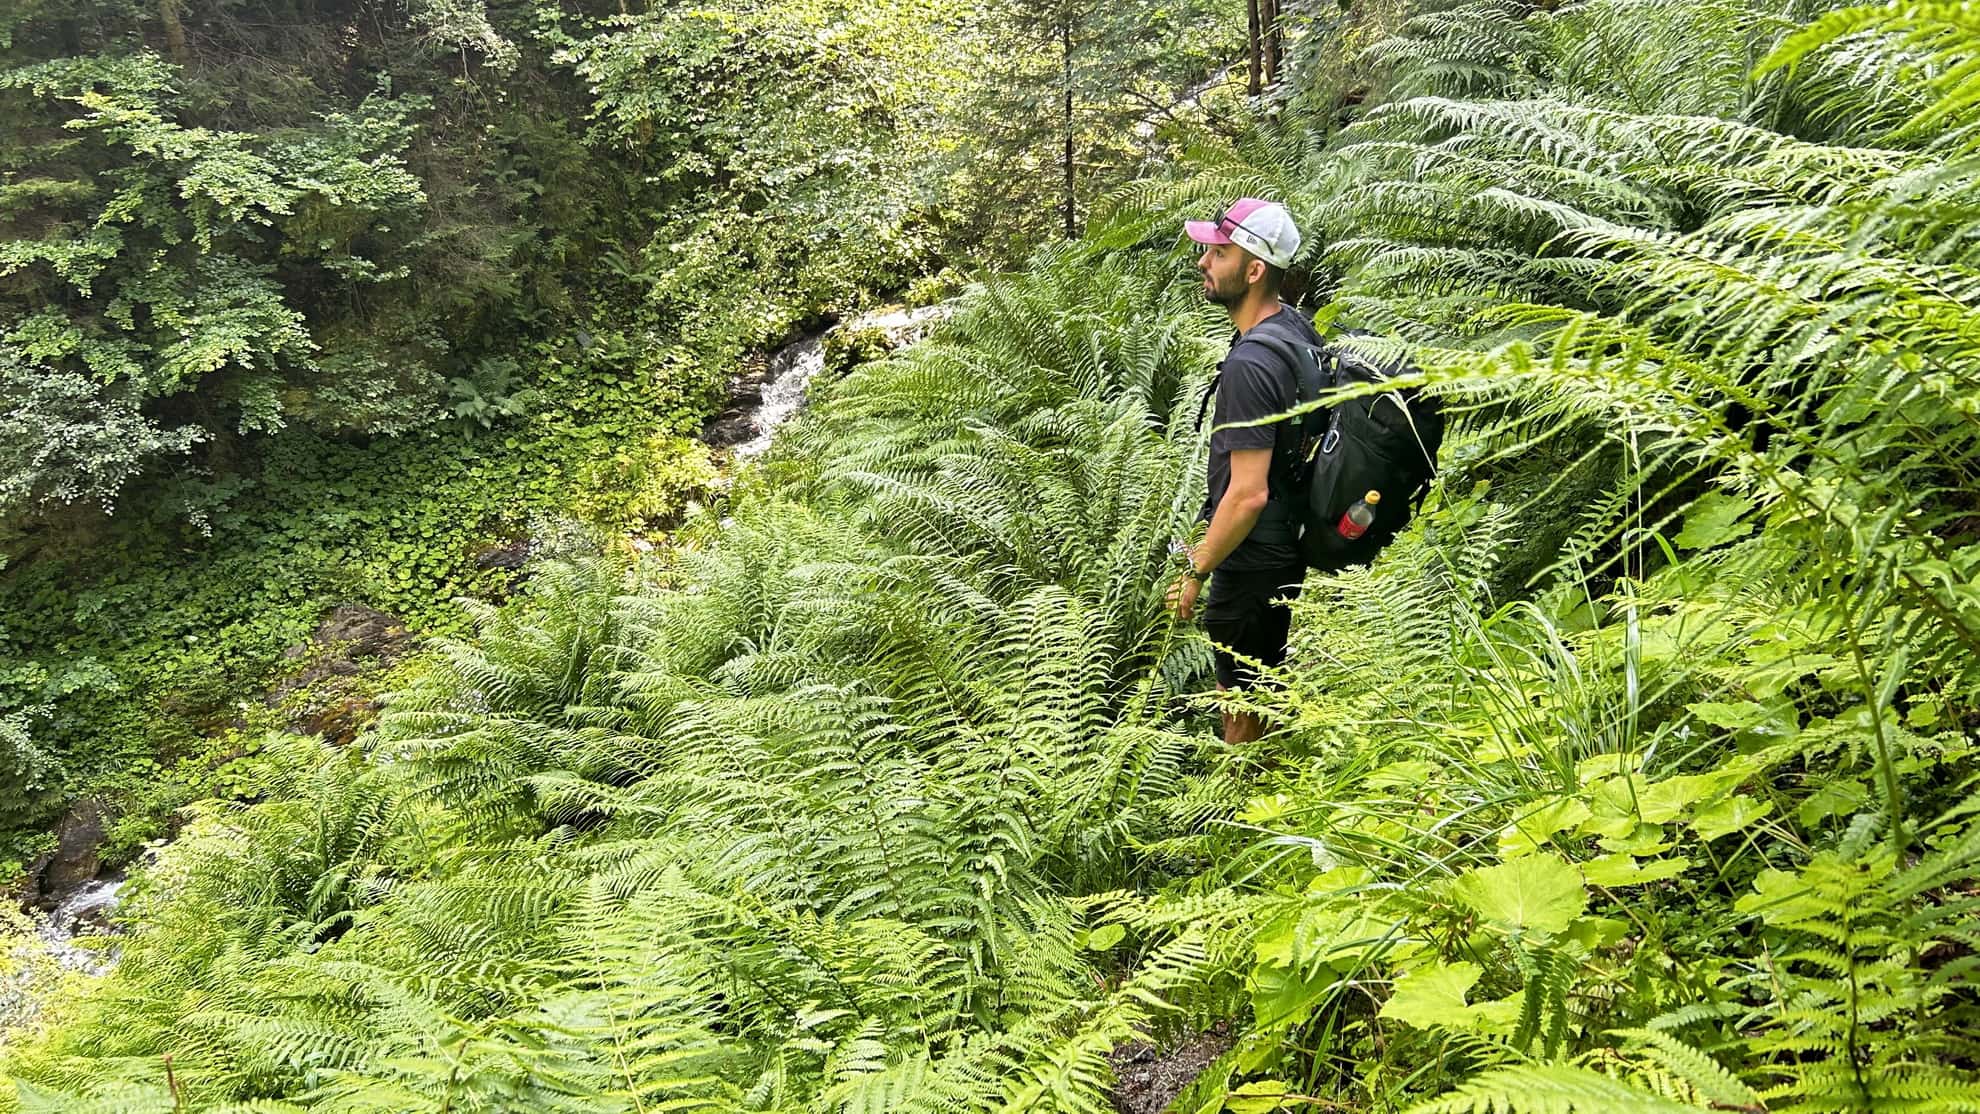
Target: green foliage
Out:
[886,786]
[145,278]
[378,241]
[1539,818]
[29,979]
[841,809]
[341,300]
[652,484]
[126,665]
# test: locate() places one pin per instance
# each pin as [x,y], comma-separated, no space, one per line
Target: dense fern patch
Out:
[894,793]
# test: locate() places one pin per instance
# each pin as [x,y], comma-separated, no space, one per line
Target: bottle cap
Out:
[1372,497]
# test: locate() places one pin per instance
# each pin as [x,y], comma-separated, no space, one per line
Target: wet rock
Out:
[94,917]
[330,695]
[73,863]
[340,722]
[782,394]
[89,910]
[510,555]
[771,387]
[737,422]
[902,327]
[1148,1077]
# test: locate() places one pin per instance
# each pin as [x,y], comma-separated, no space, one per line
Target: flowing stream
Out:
[82,911]
[761,403]
[33,964]
[792,369]
[759,407]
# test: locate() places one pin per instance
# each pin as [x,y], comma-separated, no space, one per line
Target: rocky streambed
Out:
[771,391]
[84,911]
[71,903]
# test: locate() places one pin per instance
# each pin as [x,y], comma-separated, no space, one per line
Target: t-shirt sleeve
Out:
[1252,389]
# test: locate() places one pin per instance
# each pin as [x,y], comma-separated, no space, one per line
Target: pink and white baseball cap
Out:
[1263,228]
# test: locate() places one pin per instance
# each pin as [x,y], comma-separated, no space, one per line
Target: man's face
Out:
[1223,267]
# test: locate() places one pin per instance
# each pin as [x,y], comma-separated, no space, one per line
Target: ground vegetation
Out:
[891,787]
[322,303]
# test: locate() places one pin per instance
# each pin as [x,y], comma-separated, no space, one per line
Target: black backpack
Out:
[1384,442]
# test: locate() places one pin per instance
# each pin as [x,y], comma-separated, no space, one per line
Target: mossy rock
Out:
[847,348]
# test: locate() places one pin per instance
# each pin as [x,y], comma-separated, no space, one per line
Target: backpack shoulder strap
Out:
[1313,370]
[1303,360]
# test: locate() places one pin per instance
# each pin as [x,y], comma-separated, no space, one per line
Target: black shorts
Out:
[1248,617]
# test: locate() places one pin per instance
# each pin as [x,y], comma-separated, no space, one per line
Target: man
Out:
[1249,544]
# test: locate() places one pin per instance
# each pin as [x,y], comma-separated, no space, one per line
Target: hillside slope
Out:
[1635,777]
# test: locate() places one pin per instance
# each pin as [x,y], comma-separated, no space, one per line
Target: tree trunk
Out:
[1065,48]
[1252,47]
[175,32]
[1275,41]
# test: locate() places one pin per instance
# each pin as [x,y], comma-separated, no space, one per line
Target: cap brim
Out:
[1205,232]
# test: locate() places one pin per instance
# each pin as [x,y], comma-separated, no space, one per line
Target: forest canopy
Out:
[223,220]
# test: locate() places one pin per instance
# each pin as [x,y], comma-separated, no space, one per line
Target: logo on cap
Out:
[1263,228]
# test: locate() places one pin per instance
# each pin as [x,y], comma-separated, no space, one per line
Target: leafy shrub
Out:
[893,793]
[160,289]
[648,486]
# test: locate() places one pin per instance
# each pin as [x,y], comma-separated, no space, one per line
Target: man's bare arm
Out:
[1239,509]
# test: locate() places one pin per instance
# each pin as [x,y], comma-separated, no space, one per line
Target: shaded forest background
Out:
[338,303]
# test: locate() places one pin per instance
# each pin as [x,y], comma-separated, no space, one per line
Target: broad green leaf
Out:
[1750,721]
[1781,896]
[1732,717]
[1433,996]
[1604,766]
[1536,893]
[1301,957]
[1666,800]
[1345,937]
[1730,815]
[1276,943]
[1834,798]
[1267,808]
[1106,937]
[1609,822]
[1644,839]
[1595,933]
[1401,775]
[1283,997]
[1499,1017]
[1924,715]
[1713,520]
[1259,1097]
[1529,833]
[1636,799]
[1625,870]
[1339,879]
[1771,673]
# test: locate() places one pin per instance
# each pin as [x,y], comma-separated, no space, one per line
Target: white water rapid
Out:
[81,913]
[794,366]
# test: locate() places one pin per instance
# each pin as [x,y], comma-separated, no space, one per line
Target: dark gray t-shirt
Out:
[1254,382]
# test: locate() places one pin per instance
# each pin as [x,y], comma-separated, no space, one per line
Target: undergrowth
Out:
[894,790]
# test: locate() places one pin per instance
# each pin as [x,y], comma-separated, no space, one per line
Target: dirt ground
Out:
[1149,1078]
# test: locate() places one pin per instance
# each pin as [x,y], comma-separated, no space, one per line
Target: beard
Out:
[1223,294]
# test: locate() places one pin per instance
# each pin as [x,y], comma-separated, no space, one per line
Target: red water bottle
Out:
[1355,522]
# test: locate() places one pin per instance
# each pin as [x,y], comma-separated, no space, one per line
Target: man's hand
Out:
[1182,596]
